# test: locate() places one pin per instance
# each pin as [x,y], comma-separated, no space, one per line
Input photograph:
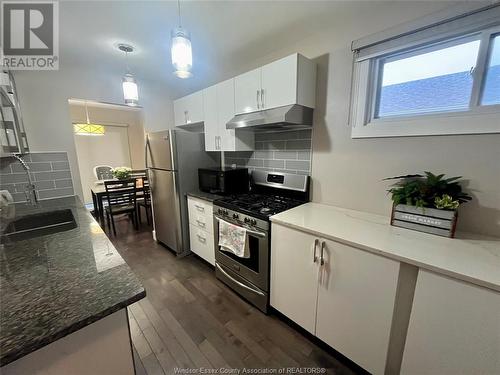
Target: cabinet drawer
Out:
[202,221]
[202,243]
[200,214]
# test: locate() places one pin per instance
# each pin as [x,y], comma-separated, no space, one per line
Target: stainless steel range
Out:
[270,193]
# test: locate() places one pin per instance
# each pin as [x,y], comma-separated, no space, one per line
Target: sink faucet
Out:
[30,191]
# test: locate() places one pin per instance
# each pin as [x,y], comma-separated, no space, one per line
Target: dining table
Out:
[98,191]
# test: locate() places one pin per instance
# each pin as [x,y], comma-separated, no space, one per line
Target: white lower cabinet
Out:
[202,243]
[294,275]
[454,328]
[343,295]
[201,229]
[356,297]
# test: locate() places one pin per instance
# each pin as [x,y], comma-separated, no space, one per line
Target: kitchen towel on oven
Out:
[233,238]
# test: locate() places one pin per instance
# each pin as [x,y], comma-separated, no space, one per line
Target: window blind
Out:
[439,26]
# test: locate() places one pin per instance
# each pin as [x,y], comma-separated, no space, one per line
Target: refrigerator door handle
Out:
[147,148]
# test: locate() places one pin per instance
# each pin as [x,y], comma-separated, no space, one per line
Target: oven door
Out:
[254,269]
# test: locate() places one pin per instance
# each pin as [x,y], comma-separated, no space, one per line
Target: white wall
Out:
[44,101]
[348,172]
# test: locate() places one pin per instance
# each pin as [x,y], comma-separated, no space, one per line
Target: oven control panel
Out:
[239,218]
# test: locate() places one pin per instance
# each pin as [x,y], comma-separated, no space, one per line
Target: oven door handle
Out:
[238,282]
[255,233]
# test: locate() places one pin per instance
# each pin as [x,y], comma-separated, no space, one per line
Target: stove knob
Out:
[253,222]
[225,212]
[235,216]
[219,211]
[247,220]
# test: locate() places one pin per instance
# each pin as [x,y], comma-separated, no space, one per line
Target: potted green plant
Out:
[427,203]
[121,173]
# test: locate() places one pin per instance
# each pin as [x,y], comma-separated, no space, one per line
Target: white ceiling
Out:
[225,34]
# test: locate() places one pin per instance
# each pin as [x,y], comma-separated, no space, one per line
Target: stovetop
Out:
[258,205]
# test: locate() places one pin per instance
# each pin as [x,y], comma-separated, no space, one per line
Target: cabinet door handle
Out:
[323,244]
[219,142]
[201,223]
[201,238]
[258,99]
[262,99]
[185,117]
[200,208]
[315,257]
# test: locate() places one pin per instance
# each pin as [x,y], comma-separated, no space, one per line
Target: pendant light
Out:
[130,92]
[88,128]
[182,55]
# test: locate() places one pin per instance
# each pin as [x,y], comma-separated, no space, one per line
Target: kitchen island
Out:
[63,294]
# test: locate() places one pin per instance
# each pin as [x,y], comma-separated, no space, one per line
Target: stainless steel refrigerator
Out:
[172,159]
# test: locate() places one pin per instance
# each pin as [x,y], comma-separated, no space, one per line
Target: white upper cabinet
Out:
[211,120]
[291,80]
[247,88]
[230,139]
[279,83]
[218,103]
[189,109]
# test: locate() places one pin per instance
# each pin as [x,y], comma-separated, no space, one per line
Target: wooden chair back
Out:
[121,192]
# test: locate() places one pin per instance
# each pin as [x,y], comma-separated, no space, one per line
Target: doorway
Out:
[118,141]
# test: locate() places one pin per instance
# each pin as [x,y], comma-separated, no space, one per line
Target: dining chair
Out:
[138,173]
[122,199]
[144,201]
[103,172]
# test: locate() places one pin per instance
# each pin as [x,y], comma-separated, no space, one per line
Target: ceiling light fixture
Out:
[130,91]
[88,128]
[182,54]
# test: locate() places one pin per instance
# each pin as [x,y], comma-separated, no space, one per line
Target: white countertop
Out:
[468,257]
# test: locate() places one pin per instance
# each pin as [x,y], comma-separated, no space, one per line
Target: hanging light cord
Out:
[87,112]
[179,12]
[126,62]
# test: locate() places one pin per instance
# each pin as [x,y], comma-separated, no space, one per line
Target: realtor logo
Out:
[30,39]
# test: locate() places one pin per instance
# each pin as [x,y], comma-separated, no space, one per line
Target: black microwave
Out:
[223,180]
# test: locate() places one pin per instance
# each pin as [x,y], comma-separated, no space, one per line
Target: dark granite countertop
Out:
[202,195]
[56,284]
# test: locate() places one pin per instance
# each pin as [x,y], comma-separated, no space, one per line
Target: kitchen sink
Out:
[37,225]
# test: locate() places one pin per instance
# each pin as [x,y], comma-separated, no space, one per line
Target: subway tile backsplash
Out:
[288,151]
[50,172]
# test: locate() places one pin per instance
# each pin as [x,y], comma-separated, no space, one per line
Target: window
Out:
[417,85]
[435,80]
[491,92]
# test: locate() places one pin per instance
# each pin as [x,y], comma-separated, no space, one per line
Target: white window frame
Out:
[478,119]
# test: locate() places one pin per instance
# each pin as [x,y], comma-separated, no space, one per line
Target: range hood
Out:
[291,117]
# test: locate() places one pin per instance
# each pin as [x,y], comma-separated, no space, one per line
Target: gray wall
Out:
[288,152]
[50,171]
[348,172]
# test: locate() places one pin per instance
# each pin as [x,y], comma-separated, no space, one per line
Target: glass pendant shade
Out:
[130,92]
[88,129]
[182,56]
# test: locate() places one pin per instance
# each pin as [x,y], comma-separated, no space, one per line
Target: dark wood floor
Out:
[191,320]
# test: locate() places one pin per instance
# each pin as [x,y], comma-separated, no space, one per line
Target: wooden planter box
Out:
[428,220]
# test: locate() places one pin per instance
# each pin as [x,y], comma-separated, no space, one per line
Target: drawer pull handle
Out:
[315,257]
[200,208]
[201,223]
[201,238]
[323,244]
